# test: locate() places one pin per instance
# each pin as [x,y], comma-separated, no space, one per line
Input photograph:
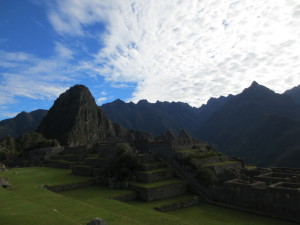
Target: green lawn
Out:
[97,197]
[214,215]
[160,203]
[30,204]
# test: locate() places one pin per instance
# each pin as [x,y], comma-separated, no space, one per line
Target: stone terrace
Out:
[275,192]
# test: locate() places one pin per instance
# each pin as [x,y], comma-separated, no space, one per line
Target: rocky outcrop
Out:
[75,119]
[4,183]
[2,167]
[96,221]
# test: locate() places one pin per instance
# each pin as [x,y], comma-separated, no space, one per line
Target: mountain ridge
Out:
[22,123]
[245,125]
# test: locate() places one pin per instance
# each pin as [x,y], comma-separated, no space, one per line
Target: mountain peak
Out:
[118,101]
[257,88]
[75,119]
[143,101]
[254,84]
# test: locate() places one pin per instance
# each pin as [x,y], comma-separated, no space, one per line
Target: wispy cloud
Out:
[101,100]
[62,51]
[189,50]
[7,114]
[31,77]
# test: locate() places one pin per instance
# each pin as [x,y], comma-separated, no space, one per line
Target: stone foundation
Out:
[149,177]
[96,162]
[67,187]
[161,192]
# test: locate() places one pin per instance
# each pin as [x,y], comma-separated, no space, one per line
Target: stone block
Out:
[154,176]
[159,192]
[96,162]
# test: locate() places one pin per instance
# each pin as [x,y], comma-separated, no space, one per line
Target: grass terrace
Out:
[29,203]
[156,171]
[157,184]
[221,163]
[198,153]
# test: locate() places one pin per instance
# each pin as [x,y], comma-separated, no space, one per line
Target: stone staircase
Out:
[80,164]
[65,161]
[156,181]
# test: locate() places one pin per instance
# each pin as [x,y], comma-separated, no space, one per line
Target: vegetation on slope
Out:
[11,149]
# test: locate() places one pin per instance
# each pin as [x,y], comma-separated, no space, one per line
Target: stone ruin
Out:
[273,191]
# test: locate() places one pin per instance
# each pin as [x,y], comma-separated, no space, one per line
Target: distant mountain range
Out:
[24,122]
[294,93]
[258,125]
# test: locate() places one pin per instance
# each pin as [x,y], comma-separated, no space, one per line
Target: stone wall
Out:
[67,187]
[96,162]
[105,149]
[209,160]
[157,193]
[147,177]
[86,149]
[272,178]
[277,200]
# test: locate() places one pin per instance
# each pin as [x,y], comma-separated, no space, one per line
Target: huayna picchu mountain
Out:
[75,119]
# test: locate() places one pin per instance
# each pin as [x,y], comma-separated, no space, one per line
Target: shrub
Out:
[30,141]
[124,165]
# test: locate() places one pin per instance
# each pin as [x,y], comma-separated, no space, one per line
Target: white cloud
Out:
[115,85]
[71,16]
[8,114]
[189,50]
[62,51]
[31,77]
[101,100]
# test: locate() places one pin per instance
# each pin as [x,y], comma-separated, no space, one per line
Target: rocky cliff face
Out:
[76,120]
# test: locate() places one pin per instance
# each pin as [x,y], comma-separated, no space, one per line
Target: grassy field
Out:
[30,204]
[214,215]
[203,214]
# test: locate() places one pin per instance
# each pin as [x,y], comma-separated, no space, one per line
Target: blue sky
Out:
[156,50]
